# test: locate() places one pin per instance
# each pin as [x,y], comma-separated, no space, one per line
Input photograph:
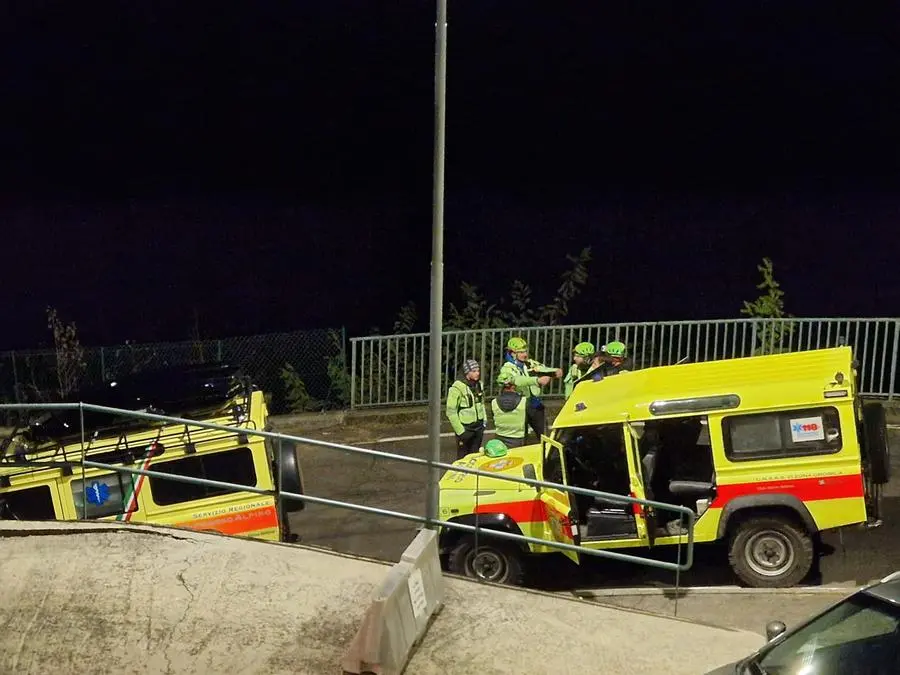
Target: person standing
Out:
[508,410]
[465,409]
[611,360]
[528,376]
[582,358]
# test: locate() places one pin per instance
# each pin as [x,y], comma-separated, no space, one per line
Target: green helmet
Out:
[615,349]
[505,380]
[585,349]
[517,344]
[495,448]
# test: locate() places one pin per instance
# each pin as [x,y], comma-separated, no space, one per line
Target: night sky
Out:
[268,165]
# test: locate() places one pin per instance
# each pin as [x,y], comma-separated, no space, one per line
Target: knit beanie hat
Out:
[469,365]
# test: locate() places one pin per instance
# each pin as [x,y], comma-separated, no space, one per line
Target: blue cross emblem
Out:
[97,493]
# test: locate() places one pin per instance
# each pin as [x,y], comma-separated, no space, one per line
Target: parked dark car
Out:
[192,390]
[858,635]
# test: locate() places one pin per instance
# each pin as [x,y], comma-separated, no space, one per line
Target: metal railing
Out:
[429,520]
[390,370]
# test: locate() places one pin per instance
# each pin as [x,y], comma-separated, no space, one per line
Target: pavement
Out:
[88,596]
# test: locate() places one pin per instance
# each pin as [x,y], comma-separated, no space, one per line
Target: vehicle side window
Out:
[595,457]
[792,433]
[29,504]
[553,472]
[859,630]
[106,495]
[232,466]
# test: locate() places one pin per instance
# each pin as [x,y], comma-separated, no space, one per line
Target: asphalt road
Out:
[855,556]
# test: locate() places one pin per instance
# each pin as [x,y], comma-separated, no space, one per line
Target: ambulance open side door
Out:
[561,516]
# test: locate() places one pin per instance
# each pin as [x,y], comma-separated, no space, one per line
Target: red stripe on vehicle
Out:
[239,522]
[636,508]
[805,489]
[530,511]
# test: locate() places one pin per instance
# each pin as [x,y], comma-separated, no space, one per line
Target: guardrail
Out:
[391,370]
[430,520]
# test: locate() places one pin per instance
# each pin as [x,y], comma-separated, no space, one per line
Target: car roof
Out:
[887,589]
[803,378]
[187,390]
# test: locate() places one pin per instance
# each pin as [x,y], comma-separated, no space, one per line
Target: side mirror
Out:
[774,629]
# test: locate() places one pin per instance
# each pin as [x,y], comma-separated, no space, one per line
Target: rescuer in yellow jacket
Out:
[582,357]
[612,360]
[508,411]
[465,409]
[528,376]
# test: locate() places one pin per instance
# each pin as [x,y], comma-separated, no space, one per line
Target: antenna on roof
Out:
[678,363]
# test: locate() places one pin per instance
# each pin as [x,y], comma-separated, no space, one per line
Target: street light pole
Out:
[437,265]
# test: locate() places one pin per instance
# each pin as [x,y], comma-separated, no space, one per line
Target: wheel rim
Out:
[769,553]
[487,564]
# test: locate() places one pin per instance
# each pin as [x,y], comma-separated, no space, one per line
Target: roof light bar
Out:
[696,404]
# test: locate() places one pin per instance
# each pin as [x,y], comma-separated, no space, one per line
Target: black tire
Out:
[877,449]
[495,561]
[770,552]
[291,475]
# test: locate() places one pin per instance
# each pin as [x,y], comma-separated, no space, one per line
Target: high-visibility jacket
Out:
[508,410]
[465,407]
[520,374]
[575,373]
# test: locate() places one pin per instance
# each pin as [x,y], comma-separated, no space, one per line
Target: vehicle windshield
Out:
[858,636]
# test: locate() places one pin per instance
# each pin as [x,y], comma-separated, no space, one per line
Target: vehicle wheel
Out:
[770,552]
[877,448]
[494,561]
[291,475]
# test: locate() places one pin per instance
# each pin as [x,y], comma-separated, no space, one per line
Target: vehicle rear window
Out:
[29,504]
[791,433]
[106,495]
[232,466]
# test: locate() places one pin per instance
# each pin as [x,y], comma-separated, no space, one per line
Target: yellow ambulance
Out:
[767,451]
[41,477]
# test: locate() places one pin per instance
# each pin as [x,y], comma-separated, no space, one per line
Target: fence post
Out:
[893,374]
[752,337]
[352,374]
[102,365]
[219,346]
[12,357]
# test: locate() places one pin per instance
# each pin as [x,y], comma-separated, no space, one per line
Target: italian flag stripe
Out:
[134,490]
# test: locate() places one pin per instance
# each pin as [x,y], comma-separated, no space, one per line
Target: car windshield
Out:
[860,636]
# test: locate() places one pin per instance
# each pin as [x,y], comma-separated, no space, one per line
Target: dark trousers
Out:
[536,418]
[469,442]
[512,442]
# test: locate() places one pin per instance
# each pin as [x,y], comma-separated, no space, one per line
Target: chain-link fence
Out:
[302,370]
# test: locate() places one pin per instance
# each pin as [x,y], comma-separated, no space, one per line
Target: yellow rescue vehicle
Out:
[768,451]
[41,477]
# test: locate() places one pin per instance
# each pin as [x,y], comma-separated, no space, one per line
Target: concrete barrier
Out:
[401,609]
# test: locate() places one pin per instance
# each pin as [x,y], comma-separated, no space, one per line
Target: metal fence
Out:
[687,516]
[318,357]
[393,369]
